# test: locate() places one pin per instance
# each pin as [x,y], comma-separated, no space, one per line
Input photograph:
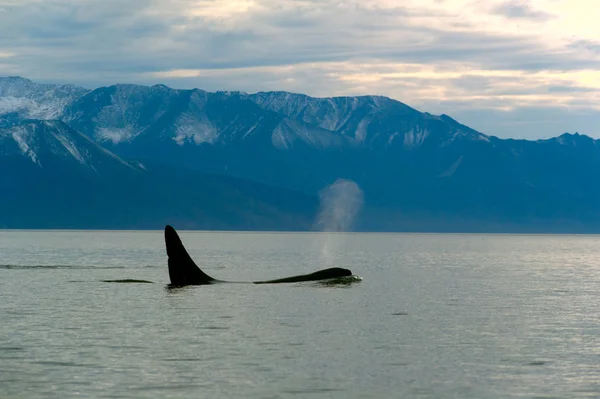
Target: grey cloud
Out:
[520,10]
[390,37]
[496,86]
[106,35]
[571,89]
[96,43]
[593,46]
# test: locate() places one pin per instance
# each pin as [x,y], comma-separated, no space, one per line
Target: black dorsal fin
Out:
[182,269]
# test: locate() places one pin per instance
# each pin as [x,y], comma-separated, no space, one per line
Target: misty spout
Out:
[340,204]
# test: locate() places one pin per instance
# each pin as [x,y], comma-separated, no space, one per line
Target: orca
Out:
[183,271]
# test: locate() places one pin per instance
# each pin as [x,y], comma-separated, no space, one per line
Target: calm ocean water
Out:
[435,316]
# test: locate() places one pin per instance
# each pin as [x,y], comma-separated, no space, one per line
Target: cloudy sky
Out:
[517,68]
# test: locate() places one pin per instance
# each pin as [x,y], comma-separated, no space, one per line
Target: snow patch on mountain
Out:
[196,129]
[392,137]
[281,137]
[415,137]
[328,113]
[68,144]
[14,104]
[112,155]
[24,137]
[114,135]
[251,129]
[36,101]
[452,169]
[288,131]
[32,109]
[192,134]
[361,130]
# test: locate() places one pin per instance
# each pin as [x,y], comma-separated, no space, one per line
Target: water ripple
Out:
[54,267]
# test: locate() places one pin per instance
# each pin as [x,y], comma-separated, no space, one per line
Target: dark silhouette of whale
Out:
[183,271]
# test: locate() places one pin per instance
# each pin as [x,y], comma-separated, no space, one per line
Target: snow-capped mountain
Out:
[122,115]
[23,99]
[418,171]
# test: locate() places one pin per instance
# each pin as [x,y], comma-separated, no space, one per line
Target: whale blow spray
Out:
[340,204]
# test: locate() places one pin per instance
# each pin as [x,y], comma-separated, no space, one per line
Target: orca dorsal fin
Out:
[182,269]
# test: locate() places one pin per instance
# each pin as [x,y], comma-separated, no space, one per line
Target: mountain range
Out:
[131,156]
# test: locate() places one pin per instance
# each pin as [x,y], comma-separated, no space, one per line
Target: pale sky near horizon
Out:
[520,69]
